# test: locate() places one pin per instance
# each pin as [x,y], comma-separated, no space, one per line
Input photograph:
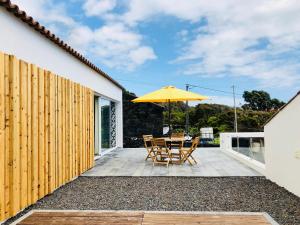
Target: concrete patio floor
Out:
[131,162]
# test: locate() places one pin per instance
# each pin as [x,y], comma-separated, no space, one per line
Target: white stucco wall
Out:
[282,144]
[19,39]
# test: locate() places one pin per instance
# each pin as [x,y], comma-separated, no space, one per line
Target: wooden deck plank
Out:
[141,218]
[76,218]
[193,219]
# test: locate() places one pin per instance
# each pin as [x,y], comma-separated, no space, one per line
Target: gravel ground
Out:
[248,194]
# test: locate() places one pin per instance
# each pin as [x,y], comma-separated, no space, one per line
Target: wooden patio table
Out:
[173,140]
[169,142]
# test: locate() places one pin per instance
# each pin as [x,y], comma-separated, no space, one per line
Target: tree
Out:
[260,101]
[276,103]
[257,100]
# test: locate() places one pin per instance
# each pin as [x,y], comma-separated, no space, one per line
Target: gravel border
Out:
[240,194]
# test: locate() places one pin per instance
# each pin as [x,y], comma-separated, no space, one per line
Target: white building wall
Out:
[18,39]
[282,147]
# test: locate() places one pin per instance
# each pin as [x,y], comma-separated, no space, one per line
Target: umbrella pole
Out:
[169,118]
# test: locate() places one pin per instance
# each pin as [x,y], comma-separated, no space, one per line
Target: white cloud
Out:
[225,46]
[228,46]
[186,10]
[141,54]
[46,11]
[115,45]
[98,7]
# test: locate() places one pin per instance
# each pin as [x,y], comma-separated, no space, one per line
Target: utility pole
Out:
[235,118]
[187,87]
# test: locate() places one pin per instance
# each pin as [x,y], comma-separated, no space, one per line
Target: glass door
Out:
[105,124]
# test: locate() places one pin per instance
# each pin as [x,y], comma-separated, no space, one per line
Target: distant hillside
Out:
[220,117]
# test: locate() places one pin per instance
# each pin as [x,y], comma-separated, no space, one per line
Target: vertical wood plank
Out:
[65,133]
[77,129]
[71,132]
[68,148]
[52,131]
[41,150]
[15,134]
[83,131]
[77,145]
[92,121]
[29,143]
[34,133]
[87,128]
[56,132]
[80,129]
[46,152]
[74,129]
[8,165]
[63,104]
[60,134]
[23,148]
[88,131]
[2,138]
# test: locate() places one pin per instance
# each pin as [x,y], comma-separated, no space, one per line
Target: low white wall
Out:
[259,167]
[226,147]
[226,138]
[18,39]
[282,144]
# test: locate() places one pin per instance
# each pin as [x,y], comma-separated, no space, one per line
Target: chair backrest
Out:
[195,143]
[160,142]
[148,139]
[177,135]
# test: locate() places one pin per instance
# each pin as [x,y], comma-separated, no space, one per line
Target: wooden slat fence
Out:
[46,133]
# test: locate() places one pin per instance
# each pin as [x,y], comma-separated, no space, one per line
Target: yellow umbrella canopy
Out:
[170,94]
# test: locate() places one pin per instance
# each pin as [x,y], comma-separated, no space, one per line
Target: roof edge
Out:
[279,110]
[22,15]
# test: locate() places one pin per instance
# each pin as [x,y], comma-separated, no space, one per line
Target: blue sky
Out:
[146,44]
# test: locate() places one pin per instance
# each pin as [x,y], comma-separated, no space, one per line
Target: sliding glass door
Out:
[105,124]
[105,127]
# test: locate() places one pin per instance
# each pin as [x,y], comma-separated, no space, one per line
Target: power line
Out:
[190,85]
[212,89]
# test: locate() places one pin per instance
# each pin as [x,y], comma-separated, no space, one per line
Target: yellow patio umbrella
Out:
[170,94]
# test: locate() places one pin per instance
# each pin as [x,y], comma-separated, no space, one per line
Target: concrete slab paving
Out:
[131,162]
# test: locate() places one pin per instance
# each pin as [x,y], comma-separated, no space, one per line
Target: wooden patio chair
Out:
[162,151]
[177,135]
[148,143]
[186,153]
